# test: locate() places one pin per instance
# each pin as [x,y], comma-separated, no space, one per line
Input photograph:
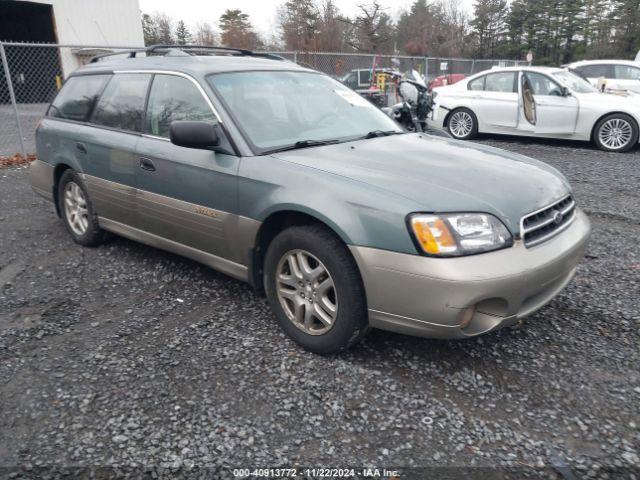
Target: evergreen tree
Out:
[149,30]
[165,28]
[182,35]
[237,31]
[489,25]
[300,23]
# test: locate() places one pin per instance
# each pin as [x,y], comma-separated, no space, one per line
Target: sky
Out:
[261,12]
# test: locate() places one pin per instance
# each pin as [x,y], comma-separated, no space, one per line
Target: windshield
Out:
[277,109]
[574,82]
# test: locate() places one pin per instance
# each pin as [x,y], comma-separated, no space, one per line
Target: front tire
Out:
[617,132]
[314,288]
[462,124]
[77,211]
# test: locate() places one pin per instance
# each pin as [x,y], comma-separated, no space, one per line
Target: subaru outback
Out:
[282,177]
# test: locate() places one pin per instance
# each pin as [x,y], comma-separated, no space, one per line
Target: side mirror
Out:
[193,134]
[565,92]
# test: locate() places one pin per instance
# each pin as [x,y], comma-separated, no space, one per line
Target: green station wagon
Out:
[282,177]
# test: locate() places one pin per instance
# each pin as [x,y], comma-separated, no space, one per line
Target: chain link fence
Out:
[32,73]
[30,76]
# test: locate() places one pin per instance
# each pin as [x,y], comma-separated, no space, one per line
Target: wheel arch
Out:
[459,107]
[615,112]
[58,171]
[274,223]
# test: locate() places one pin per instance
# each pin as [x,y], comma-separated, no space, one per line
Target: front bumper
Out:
[436,119]
[467,296]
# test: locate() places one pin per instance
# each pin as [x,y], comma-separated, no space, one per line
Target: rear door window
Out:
[596,71]
[174,98]
[78,97]
[500,82]
[122,103]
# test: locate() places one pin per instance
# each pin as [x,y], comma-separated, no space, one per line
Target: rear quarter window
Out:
[477,84]
[77,98]
[626,72]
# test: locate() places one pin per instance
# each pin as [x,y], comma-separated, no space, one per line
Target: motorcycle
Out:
[416,105]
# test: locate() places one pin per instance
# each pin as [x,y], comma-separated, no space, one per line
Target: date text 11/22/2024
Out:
[315,473]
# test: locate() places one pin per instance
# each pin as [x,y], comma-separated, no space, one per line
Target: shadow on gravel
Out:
[512,140]
[384,343]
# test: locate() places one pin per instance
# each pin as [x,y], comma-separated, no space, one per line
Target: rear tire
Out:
[617,132]
[462,124]
[76,211]
[315,290]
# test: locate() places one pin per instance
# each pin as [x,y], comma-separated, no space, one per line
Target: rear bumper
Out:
[41,179]
[467,296]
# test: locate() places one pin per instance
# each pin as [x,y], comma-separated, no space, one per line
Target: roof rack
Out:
[172,50]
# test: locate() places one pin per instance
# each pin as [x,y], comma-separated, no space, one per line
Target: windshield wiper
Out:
[302,144]
[381,133]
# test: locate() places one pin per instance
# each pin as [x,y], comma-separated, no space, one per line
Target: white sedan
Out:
[537,102]
[614,75]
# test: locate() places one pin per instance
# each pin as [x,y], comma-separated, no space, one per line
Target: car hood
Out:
[442,175]
[610,101]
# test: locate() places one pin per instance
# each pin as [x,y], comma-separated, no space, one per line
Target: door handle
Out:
[81,147]
[146,164]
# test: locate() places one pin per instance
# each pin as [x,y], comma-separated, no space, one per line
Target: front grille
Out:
[538,227]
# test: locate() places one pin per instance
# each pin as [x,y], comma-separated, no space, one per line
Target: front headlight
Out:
[457,234]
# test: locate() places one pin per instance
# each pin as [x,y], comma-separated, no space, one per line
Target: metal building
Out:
[66,22]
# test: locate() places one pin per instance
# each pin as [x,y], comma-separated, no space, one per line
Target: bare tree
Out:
[205,35]
[371,30]
[438,28]
[331,36]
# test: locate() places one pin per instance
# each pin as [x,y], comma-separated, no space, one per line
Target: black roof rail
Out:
[222,50]
[129,53]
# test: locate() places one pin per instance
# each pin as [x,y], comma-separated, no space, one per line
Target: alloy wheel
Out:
[75,208]
[615,133]
[461,124]
[306,292]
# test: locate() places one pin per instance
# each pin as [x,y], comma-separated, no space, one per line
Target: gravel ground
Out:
[132,360]
[30,115]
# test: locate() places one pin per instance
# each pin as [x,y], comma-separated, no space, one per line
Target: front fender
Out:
[359,213]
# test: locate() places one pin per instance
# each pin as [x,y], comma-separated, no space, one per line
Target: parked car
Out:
[614,75]
[442,80]
[537,102]
[282,177]
[362,81]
